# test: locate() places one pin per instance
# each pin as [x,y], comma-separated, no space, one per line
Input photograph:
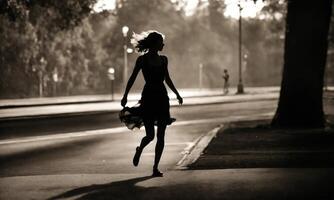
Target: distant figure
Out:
[154,103]
[226,77]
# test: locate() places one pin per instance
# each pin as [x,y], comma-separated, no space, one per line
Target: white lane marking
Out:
[66,135]
[225,119]
[124,129]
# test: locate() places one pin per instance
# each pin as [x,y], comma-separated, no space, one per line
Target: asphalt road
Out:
[99,144]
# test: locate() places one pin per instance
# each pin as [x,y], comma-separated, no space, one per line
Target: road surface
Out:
[99,144]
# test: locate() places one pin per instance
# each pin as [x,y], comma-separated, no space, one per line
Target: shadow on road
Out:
[26,158]
[126,189]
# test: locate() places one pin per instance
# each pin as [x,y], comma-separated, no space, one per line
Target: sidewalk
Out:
[64,106]
[253,144]
[185,93]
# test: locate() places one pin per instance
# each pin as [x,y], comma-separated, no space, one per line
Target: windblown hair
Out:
[145,40]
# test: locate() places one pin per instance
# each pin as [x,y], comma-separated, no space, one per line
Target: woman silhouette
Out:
[154,101]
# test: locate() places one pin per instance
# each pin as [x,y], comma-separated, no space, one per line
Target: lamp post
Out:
[111,75]
[125,31]
[200,76]
[40,77]
[55,81]
[240,89]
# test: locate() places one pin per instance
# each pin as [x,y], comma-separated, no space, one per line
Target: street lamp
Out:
[125,31]
[245,61]
[55,81]
[111,75]
[129,50]
[240,85]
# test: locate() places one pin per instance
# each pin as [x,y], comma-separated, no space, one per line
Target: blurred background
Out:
[75,47]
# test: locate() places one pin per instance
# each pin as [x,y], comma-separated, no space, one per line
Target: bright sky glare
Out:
[189,5]
[104,5]
[250,9]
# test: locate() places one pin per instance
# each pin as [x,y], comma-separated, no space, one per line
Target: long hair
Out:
[146,39]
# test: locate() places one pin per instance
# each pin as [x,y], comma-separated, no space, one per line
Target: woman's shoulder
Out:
[140,59]
[164,58]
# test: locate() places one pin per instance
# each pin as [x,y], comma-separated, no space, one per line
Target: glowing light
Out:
[125,30]
[111,70]
[278,16]
[102,5]
[249,8]
[129,50]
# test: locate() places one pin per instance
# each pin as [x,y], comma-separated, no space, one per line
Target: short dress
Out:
[154,103]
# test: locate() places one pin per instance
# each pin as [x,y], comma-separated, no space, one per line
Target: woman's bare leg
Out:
[159,146]
[149,128]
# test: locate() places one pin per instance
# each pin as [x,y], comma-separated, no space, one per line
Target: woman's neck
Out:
[153,52]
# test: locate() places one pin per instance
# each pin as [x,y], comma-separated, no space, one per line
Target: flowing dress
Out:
[154,104]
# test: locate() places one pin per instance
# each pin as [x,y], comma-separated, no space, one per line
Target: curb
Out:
[192,153]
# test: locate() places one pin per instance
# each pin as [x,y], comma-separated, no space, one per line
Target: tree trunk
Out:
[300,103]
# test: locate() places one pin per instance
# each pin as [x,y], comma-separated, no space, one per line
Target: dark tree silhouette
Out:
[300,103]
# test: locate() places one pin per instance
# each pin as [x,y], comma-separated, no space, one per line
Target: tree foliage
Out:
[66,37]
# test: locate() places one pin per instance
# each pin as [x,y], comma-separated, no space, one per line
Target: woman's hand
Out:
[124,101]
[179,98]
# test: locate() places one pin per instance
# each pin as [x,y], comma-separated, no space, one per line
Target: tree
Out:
[29,32]
[300,103]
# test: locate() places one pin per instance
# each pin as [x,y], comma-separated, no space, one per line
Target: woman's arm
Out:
[131,80]
[170,83]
